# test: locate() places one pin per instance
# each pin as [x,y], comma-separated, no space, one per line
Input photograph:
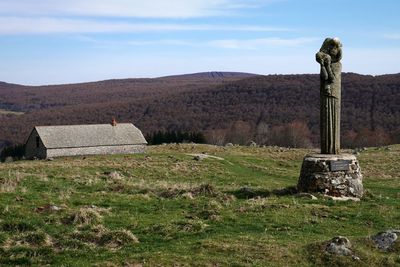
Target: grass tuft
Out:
[16,226]
[29,239]
[90,215]
[117,238]
[10,182]
[100,236]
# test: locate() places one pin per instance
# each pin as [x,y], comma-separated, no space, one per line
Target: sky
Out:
[68,41]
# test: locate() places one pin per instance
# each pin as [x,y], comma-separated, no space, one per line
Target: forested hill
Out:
[202,102]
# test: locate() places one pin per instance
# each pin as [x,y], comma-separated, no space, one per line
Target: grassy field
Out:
[164,208]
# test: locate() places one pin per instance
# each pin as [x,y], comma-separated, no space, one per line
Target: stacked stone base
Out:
[333,175]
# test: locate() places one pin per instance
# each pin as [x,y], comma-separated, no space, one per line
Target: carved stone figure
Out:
[329,57]
[331,173]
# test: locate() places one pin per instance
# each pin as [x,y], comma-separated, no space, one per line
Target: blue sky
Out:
[68,41]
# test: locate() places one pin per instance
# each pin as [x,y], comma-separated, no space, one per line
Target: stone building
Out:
[72,140]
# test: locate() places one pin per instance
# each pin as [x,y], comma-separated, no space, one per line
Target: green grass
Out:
[163,208]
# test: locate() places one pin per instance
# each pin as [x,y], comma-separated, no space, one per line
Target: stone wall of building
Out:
[31,148]
[101,150]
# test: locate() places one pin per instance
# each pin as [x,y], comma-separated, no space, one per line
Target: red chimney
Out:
[113,122]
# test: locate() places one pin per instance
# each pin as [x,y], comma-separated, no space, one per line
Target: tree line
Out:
[265,109]
[295,134]
[161,137]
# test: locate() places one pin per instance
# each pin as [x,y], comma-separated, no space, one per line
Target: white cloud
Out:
[128,8]
[118,43]
[108,16]
[263,42]
[48,25]
[395,36]
[242,44]
[17,25]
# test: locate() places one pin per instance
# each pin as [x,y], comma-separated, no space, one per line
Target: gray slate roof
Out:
[69,136]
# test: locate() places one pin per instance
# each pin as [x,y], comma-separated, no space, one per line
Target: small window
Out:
[37,141]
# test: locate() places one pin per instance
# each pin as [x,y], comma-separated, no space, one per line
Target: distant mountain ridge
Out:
[30,98]
[213,74]
[197,75]
[199,102]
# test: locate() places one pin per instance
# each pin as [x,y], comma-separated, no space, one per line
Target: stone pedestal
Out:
[333,175]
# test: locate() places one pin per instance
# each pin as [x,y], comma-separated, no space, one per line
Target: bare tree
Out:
[240,133]
[262,133]
[294,134]
[216,137]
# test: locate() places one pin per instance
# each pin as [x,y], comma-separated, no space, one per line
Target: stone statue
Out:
[329,57]
[331,173]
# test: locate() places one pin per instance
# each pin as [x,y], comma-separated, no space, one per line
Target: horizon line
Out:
[185,74]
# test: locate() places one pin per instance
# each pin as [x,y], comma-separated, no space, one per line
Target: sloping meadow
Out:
[180,205]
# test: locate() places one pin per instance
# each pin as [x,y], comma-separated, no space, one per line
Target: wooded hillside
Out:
[209,102]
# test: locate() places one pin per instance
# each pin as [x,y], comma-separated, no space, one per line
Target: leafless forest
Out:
[226,107]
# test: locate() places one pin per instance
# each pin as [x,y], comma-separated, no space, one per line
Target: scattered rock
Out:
[355,199]
[188,195]
[356,258]
[252,144]
[114,175]
[385,240]
[54,208]
[199,157]
[47,208]
[307,195]
[339,245]
[19,199]
[229,145]
[202,156]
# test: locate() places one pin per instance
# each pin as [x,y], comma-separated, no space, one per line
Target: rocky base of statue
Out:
[333,175]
